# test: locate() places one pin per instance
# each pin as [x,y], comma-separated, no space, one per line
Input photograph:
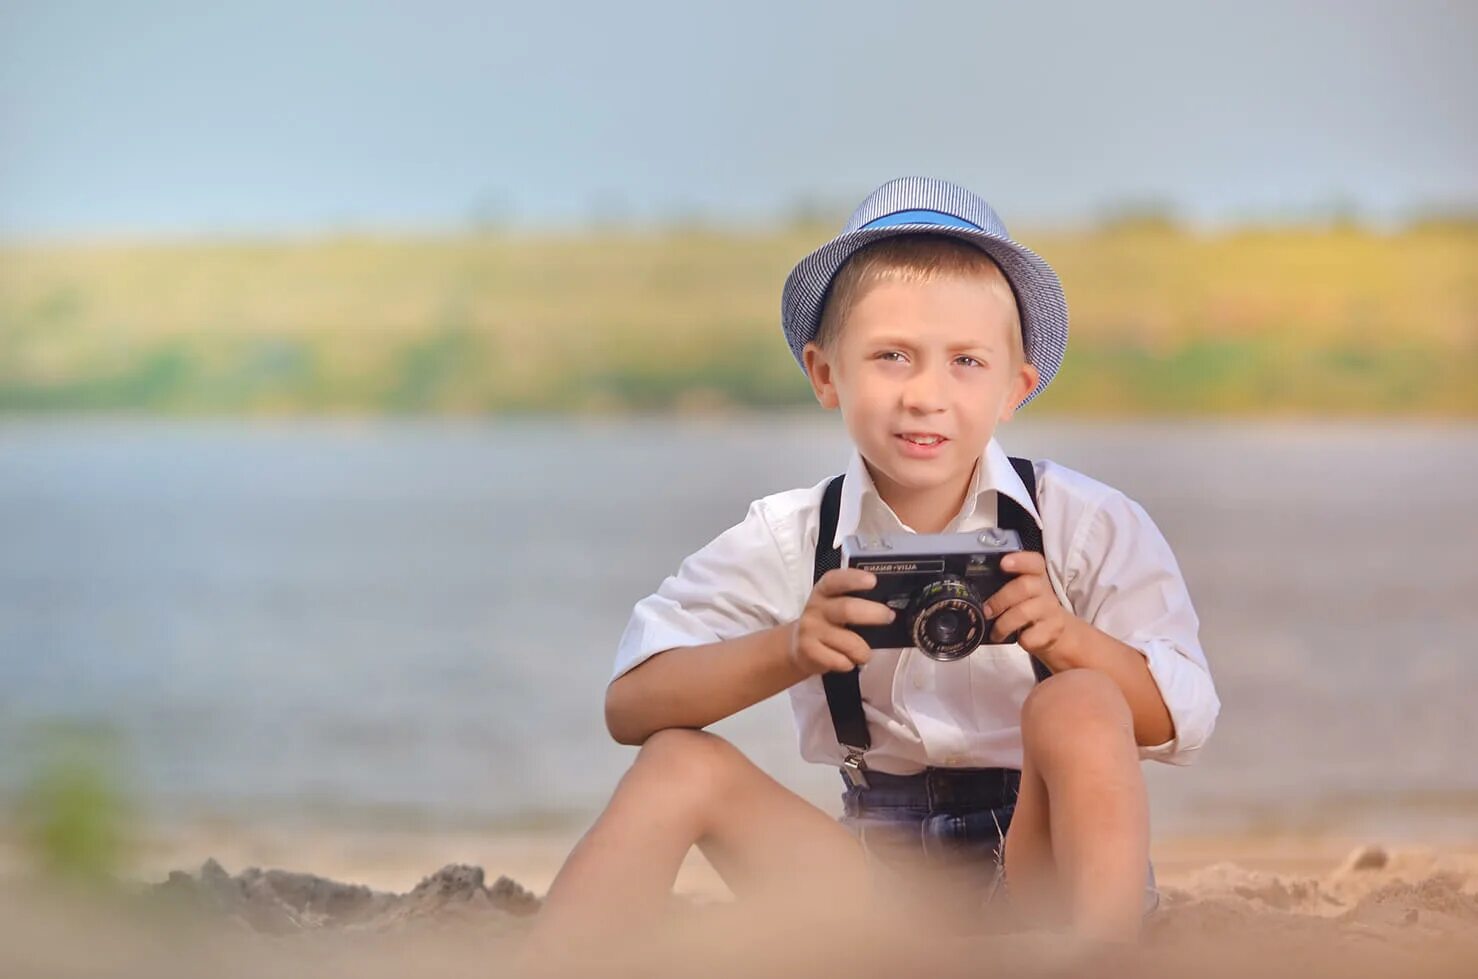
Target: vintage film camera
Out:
[936,583]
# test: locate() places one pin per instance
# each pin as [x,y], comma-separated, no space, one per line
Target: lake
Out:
[413,622]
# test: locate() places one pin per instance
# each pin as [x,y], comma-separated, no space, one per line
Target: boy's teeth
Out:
[931,440]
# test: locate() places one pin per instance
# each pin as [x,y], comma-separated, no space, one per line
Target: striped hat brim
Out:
[1038,291]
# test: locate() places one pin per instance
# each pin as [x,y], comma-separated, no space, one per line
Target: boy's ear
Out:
[1023,384]
[819,371]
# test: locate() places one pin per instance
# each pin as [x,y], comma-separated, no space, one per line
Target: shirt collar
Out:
[993,474]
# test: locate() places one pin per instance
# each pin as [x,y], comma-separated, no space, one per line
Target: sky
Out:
[168,119]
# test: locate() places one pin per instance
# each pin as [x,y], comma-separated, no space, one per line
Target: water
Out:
[414,622]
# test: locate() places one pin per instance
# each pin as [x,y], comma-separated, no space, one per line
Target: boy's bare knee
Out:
[681,746]
[691,762]
[1079,706]
[1075,690]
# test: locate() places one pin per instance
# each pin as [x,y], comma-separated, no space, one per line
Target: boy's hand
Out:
[1027,605]
[820,641]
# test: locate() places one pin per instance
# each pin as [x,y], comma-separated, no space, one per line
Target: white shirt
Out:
[1107,562]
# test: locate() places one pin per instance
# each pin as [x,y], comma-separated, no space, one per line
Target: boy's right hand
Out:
[820,641]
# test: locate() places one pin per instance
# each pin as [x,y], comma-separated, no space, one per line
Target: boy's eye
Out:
[889,355]
[972,362]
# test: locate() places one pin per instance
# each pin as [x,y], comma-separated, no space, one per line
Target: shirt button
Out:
[918,683]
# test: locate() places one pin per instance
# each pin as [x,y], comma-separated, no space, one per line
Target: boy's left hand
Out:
[1027,605]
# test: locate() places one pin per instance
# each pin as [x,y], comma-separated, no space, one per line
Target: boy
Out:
[926,325]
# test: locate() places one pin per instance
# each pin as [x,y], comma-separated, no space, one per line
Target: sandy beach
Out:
[374,903]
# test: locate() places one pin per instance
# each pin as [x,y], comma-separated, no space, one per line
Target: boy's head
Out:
[924,323]
[920,347]
[920,258]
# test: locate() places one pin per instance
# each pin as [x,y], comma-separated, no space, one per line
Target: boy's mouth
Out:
[922,438]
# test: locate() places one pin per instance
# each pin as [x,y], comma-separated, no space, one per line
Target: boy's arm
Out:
[694,686]
[712,640]
[1028,607]
[1132,620]
[1085,647]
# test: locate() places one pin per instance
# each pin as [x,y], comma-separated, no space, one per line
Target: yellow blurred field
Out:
[1278,321]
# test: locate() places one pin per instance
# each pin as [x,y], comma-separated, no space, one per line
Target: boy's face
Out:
[922,359]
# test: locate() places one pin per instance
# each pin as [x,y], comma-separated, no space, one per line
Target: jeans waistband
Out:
[934,790]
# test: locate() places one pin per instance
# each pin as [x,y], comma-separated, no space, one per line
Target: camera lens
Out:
[943,627]
[947,621]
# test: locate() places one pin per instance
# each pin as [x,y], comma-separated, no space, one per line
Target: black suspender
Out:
[843,690]
[1013,516]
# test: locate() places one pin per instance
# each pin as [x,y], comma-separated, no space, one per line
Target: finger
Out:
[1036,637]
[825,657]
[840,581]
[849,644]
[1012,621]
[1020,618]
[1024,562]
[857,611]
[832,661]
[1020,589]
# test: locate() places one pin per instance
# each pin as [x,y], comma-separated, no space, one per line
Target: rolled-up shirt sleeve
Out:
[734,585]
[1128,584]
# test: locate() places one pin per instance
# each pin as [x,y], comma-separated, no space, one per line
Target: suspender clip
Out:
[854,768]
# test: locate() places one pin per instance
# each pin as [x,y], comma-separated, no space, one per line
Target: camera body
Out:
[936,583]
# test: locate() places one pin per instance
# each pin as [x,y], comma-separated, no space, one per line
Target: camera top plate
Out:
[893,548]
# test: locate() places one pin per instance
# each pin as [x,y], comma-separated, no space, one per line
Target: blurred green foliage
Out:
[1328,319]
[74,813]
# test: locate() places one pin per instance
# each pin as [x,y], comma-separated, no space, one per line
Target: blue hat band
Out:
[919,216]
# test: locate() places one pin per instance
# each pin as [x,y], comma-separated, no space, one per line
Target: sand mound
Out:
[278,901]
[1375,891]
[1378,913]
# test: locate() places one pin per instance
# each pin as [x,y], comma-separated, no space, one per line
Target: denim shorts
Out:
[942,827]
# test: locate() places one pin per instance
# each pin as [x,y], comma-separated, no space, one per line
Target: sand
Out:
[351,903]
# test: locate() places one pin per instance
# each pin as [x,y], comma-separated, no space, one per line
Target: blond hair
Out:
[911,258]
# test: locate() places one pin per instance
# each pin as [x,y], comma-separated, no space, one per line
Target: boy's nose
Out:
[924,392]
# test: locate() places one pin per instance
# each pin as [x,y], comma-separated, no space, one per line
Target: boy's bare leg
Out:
[689,787]
[1078,844]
